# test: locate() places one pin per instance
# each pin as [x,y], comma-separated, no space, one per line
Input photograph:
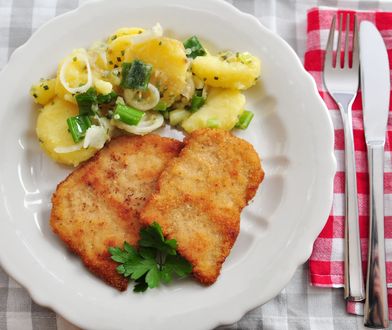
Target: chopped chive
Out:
[46,87]
[127,115]
[244,120]
[74,59]
[196,103]
[216,78]
[114,37]
[118,59]
[213,123]
[160,43]
[35,95]
[161,106]
[194,48]
[111,62]
[78,126]
[136,75]
[122,52]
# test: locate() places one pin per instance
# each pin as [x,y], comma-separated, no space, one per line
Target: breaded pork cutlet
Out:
[200,197]
[98,205]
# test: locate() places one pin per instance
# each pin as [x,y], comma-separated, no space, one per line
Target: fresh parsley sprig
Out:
[154,262]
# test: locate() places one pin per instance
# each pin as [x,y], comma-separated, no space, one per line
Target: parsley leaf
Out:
[152,236]
[154,262]
[140,285]
[178,265]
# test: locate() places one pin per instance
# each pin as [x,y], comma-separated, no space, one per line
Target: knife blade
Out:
[375,85]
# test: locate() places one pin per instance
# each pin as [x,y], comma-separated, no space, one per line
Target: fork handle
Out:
[376,305]
[353,276]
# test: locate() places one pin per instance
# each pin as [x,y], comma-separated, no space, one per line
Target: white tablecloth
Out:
[298,306]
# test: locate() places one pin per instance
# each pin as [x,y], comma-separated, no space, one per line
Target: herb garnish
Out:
[194,48]
[91,99]
[154,262]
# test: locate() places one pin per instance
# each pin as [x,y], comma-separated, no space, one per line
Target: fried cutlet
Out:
[98,205]
[200,196]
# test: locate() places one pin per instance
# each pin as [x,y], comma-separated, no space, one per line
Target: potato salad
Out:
[133,83]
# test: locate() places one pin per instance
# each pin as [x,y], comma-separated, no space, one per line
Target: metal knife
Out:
[375,84]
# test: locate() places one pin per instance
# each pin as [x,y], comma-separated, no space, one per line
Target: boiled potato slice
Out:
[118,43]
[218,72]
[52,132]
[76,70]
[221,110]
[44,91]
[116,51]
[102,86]
[124,31]
[169,62]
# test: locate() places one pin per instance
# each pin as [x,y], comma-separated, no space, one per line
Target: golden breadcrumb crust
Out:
[98,205]
[200,196]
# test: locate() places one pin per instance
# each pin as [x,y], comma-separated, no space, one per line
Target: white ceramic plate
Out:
[291,131]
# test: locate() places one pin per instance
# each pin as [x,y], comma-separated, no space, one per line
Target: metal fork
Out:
[342,83]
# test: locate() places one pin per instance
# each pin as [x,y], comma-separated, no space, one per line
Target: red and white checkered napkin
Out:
[326,262]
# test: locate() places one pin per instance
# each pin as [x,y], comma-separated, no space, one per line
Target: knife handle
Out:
[353,277]
[376,304]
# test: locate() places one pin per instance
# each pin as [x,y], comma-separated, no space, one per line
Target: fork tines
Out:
[338,62]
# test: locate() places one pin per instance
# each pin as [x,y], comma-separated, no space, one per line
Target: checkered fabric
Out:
[327,261]
[298,306]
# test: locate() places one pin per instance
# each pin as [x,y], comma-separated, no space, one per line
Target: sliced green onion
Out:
[193,47]
[78,126]
[161,106]
[107,98]
[136,75]
[196,103]
[86,101]
[244,120]
[127,115]
[177,116]
[120,100]
[165,114]
[199,92]
[213,123]
[142,100]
